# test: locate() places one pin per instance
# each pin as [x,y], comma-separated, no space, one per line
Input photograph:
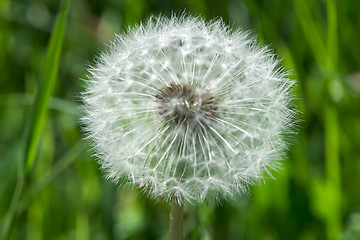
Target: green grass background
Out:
[51,187]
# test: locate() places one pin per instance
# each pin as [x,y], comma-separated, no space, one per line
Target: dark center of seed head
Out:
[187,105]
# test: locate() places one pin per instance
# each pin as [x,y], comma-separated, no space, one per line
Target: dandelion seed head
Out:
[188,109]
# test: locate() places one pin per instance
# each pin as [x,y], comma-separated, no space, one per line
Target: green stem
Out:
[176,221]
[12,209]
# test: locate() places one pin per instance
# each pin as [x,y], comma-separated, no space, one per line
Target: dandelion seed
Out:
[188,110]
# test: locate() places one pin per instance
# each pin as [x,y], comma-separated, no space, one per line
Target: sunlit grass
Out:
[37,120]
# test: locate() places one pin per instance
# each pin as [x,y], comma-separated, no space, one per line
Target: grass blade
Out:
[38,114]
[46,86]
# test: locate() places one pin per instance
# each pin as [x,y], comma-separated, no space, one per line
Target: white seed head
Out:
[188,110]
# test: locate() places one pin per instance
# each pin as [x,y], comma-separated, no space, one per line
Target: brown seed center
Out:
[188,105]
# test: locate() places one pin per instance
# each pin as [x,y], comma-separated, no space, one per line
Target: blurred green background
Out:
[51,187]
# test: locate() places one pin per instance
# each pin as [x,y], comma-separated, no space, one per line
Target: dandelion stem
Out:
[176,221]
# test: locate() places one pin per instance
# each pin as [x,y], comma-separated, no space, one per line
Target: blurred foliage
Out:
[63,195]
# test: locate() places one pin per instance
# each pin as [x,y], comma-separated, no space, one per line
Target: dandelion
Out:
[187,110]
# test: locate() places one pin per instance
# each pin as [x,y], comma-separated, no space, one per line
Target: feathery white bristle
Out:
[187,109]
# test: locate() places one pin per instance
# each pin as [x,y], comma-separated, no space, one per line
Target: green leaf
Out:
[46,86]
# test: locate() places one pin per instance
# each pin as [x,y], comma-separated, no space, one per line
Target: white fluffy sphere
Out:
[188,110]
